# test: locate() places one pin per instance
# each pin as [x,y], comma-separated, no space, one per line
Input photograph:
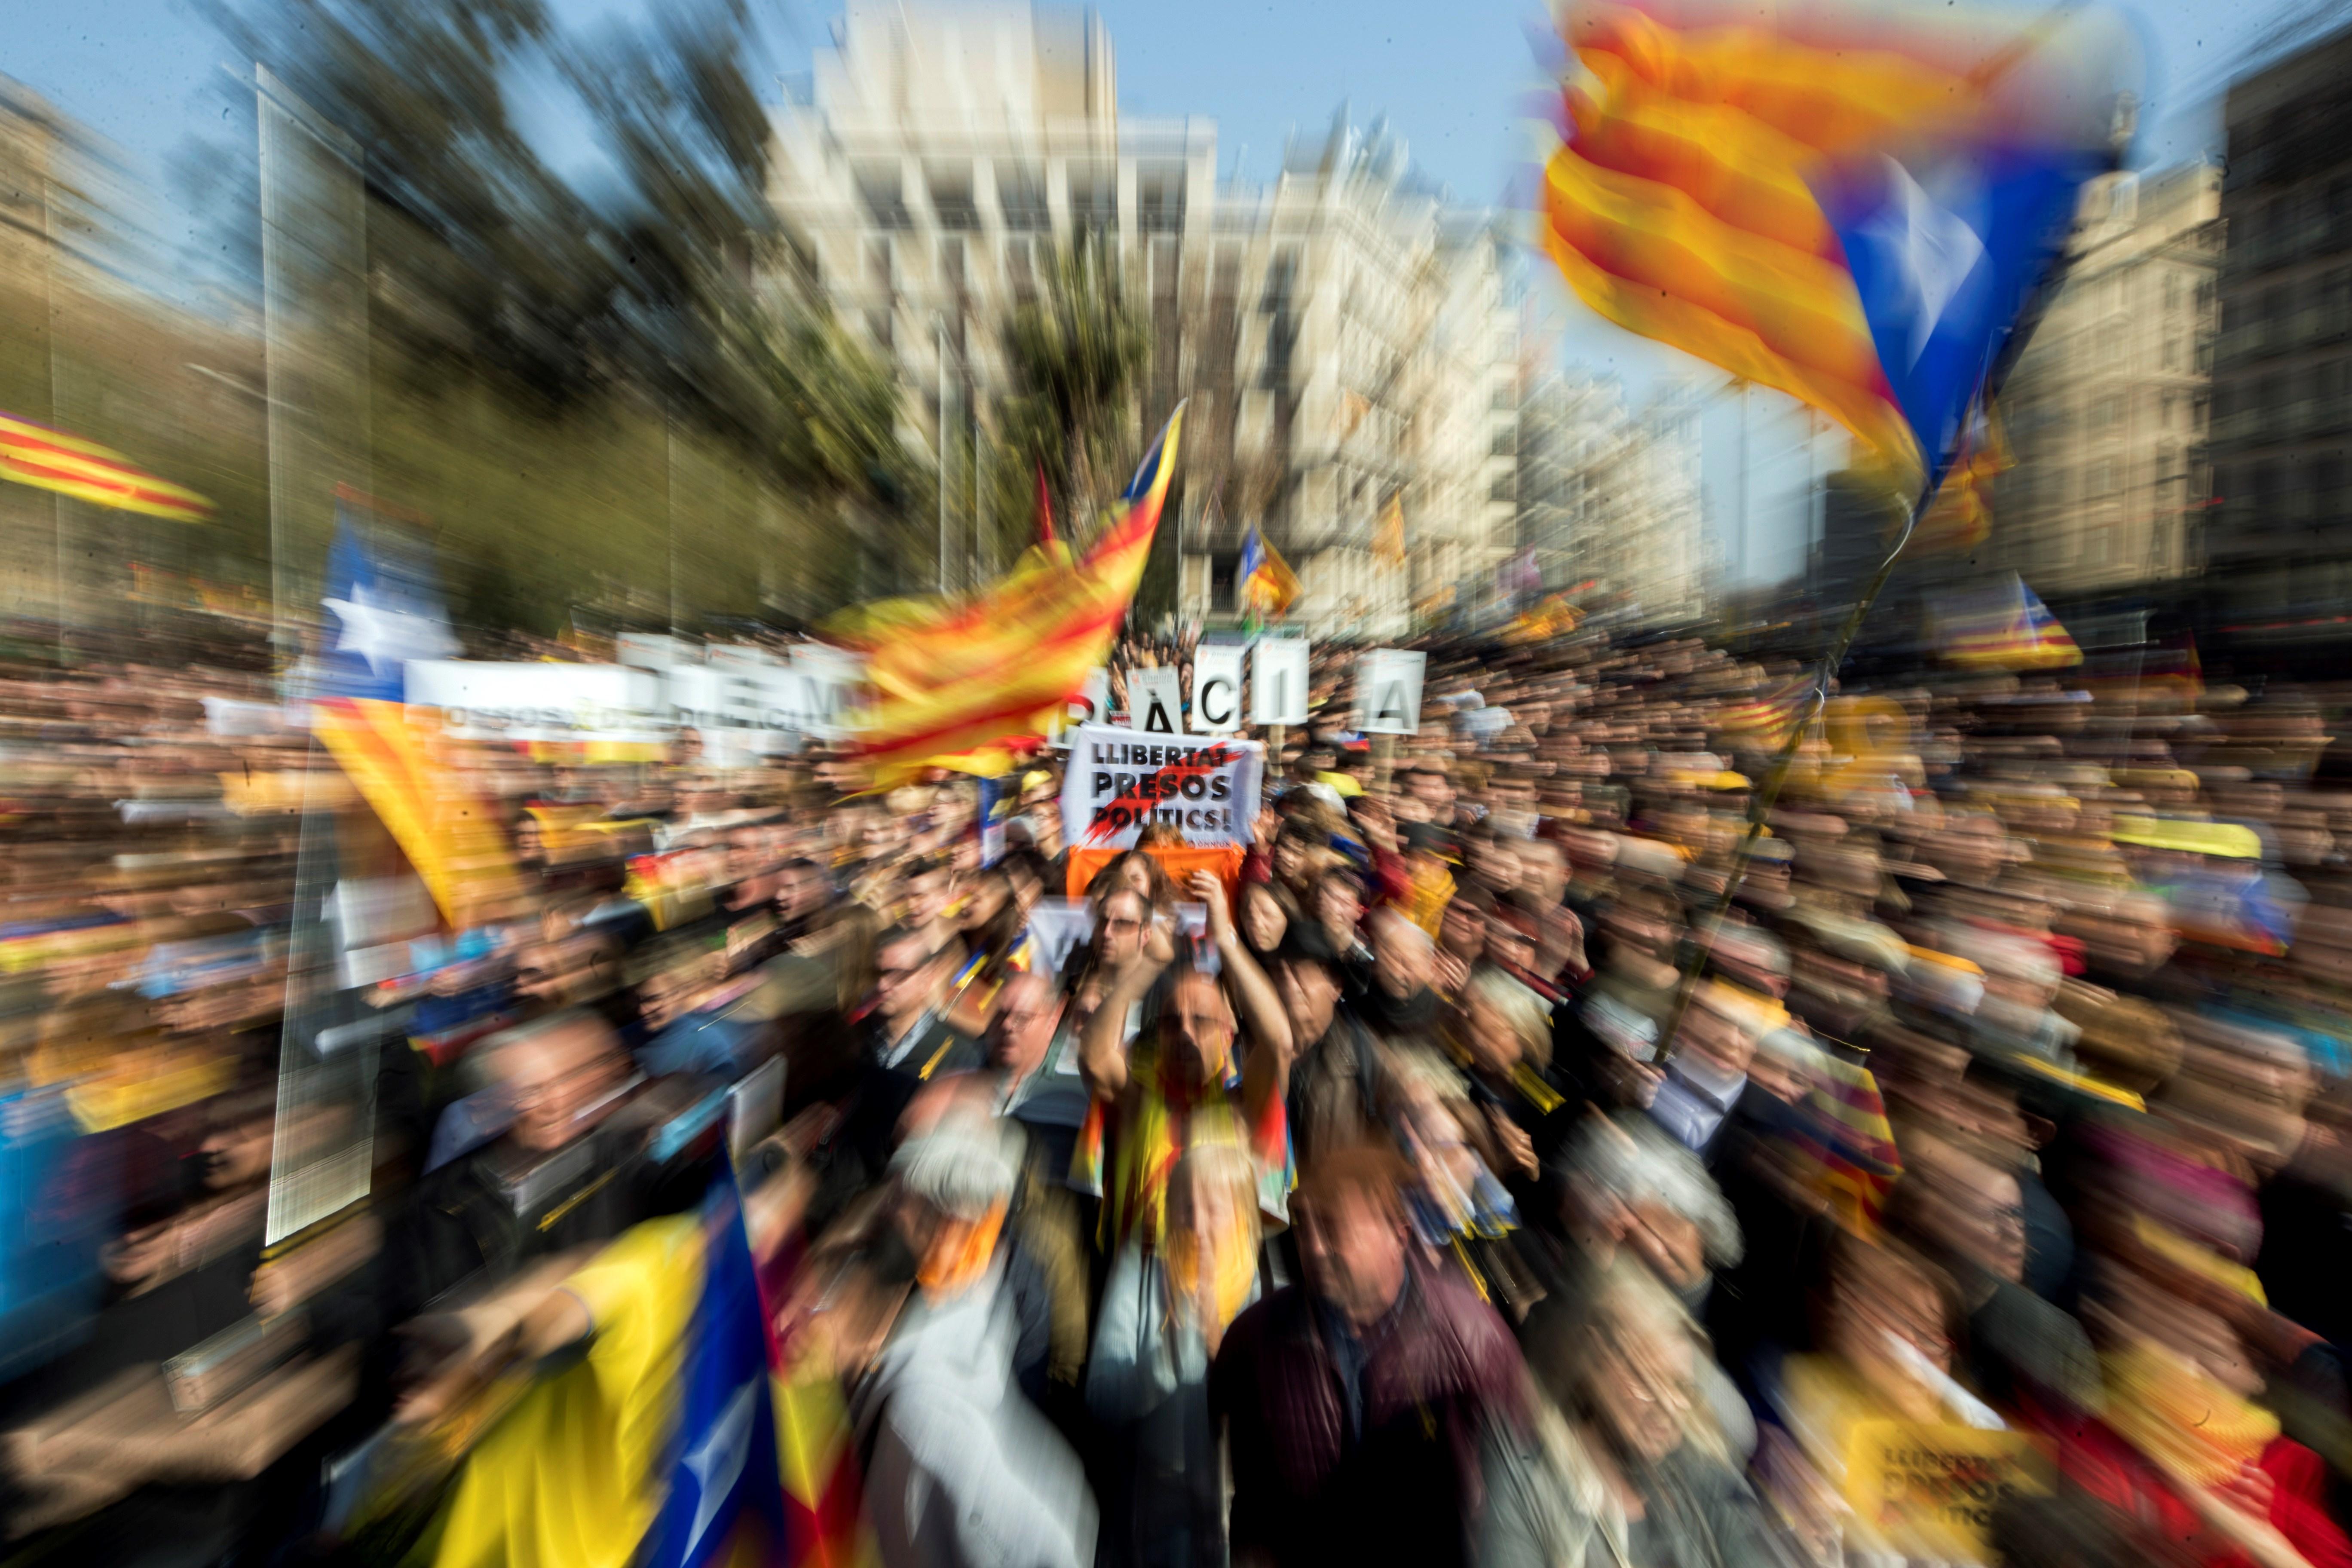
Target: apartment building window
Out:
[879,272]
[882,188]
[1020,196]
[1281,274]
[1164,264]
[1503,442]
[1160,198]
[1094,199]
[951,273]
[951,199]
[1020,267]
[1504,489]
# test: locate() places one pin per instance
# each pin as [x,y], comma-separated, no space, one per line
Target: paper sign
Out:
[1119,780]
[485,700]
[1155,701]
[1217,690]
[1090,706]
[1930,1489]
[1388,692]
[1278,681]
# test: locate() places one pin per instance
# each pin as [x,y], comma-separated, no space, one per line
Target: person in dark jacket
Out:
[1354,1406]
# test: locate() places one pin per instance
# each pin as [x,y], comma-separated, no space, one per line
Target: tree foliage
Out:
[1076,354]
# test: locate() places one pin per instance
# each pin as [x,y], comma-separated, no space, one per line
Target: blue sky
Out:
[1451,77]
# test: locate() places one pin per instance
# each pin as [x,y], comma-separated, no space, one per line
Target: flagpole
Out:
[1692,957]
[940,427]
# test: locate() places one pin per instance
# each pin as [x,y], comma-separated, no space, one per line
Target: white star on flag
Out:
[718,1461]
[1928,246]
[384,634]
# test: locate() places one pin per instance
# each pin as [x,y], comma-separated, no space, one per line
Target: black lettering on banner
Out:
[1102,784]
[1195,786]
[1156,717]
[1123,783]
[1200,699]
[1220,787]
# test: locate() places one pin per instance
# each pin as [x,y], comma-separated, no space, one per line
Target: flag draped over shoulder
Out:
[1857,221]
[50,459]
[951,676]
[659,1447]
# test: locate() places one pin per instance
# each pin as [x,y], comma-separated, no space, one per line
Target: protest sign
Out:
[1217,689]
[1278,681]
[1388,692]
[1930,1488]
[1119,780]
[1155,701]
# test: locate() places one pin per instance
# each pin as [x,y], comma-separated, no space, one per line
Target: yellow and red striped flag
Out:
[1677,207]
[50,459]
[448,833]
[950,677]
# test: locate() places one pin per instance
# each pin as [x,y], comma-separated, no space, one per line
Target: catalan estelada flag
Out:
[1854,220]
[50,459]
[2002,626]
[1268,585]
[449,834]
[657,1448]
[953,676]
[1960,517]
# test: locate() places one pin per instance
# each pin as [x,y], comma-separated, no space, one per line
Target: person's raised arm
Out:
[1102,1044]
[1265,1071]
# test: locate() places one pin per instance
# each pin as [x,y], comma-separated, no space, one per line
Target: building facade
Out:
[2281,533]
[2106,413]
[1610,496]
[1343,332]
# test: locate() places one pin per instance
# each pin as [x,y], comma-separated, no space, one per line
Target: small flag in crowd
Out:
[1960,517]
[1388,545]
[1769,716]
[1268,586]
[955,677]
[50,459]
[2004,626]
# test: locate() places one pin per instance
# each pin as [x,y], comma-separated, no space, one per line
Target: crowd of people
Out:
[1508,1159]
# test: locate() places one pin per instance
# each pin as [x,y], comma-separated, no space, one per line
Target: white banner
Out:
[1117,780]
[1388,692]
[653,650]
[1155,701]
[485,700]
[740,709]
[1217,689]
[831,677]
[1278,681]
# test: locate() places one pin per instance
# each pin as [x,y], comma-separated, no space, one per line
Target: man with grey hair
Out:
[963,1469]
[1625,1183]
